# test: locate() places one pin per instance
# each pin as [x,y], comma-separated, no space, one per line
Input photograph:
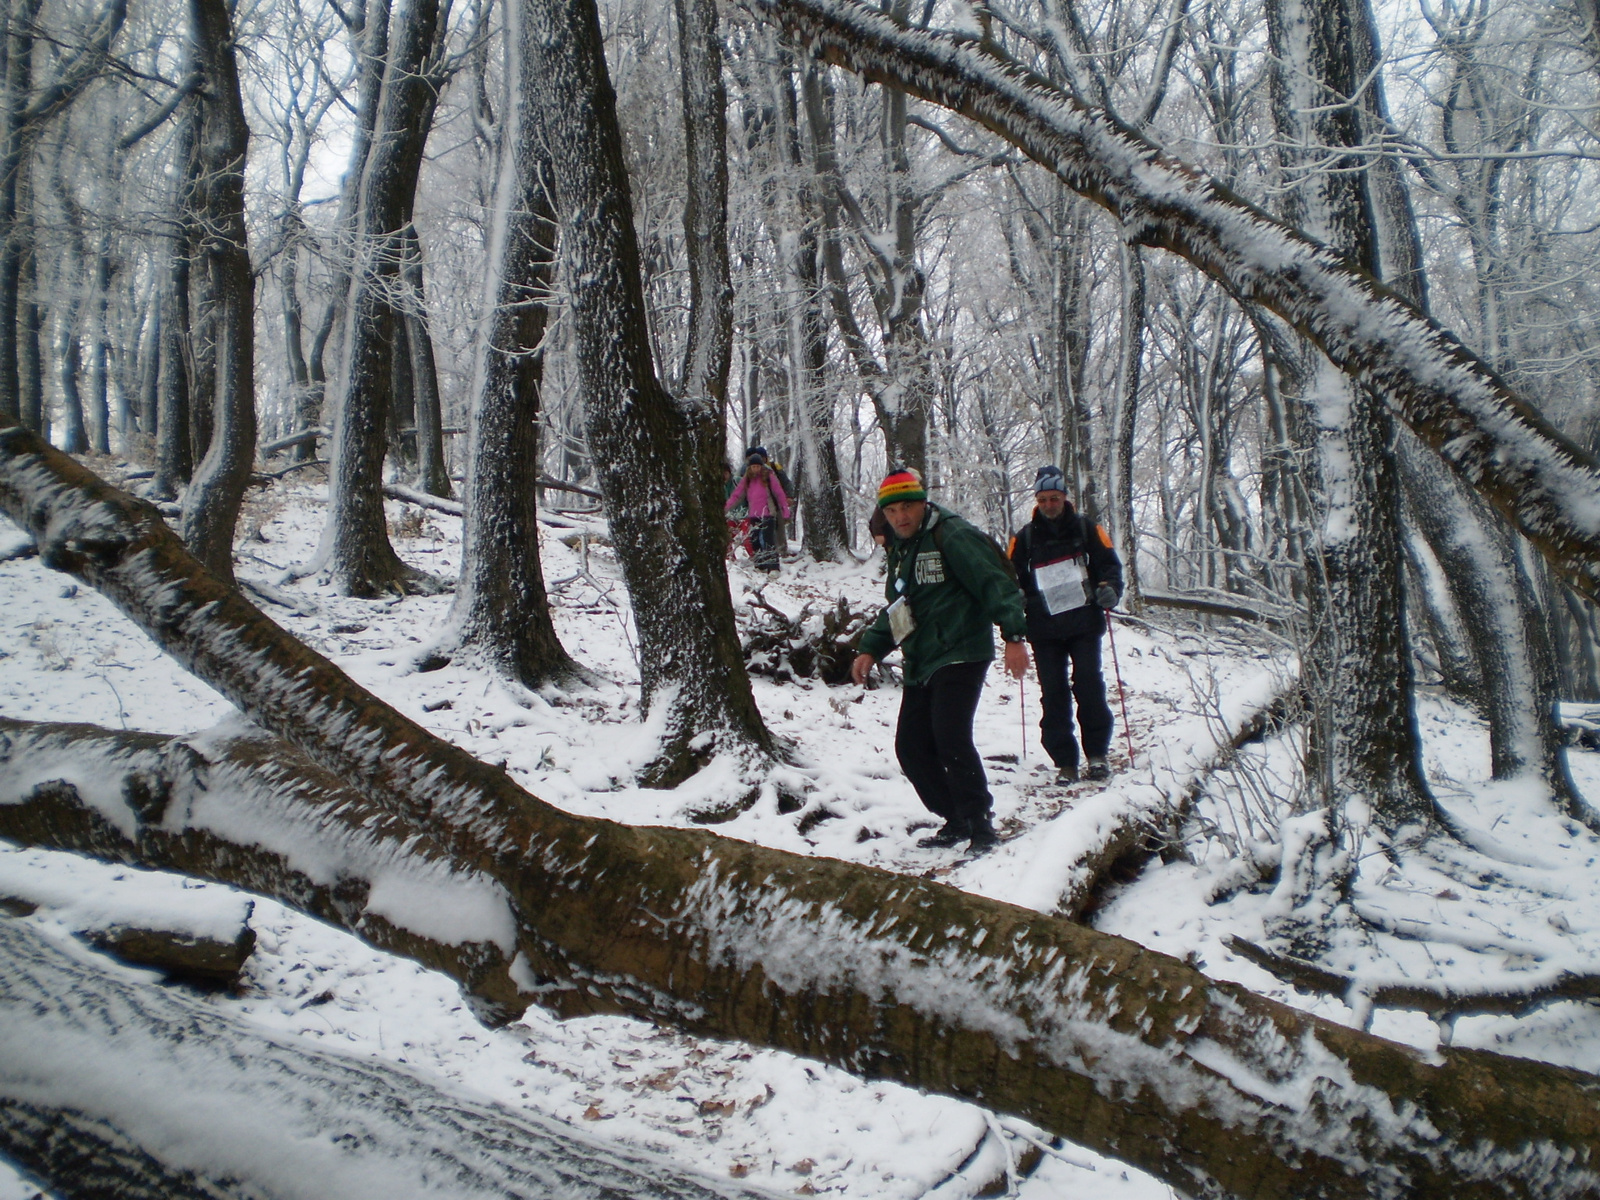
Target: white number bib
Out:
[1061,584]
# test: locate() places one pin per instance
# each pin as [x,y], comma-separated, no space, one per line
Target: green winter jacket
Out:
[958,590]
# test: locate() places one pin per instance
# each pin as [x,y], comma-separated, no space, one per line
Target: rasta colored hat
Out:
[1049,479]
[904,484]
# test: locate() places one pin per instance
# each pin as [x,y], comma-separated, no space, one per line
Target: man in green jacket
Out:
[947,587]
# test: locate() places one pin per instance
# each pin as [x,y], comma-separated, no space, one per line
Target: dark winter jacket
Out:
[1071,536]
[958,590]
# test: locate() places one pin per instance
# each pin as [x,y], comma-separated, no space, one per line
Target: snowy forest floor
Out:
[1508,904]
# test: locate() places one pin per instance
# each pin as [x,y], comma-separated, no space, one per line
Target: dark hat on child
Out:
[756,454]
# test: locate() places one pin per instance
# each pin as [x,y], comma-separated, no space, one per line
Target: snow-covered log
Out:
[1548,487]
[113,1087]
[1204,1084]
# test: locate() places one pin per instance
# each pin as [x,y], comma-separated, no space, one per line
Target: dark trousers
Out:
[1051,656]
[934,742]
[764,539]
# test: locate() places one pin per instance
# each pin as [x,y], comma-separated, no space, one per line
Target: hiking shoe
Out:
[982,836]
[1097,769]
[1067,775]
[953,834]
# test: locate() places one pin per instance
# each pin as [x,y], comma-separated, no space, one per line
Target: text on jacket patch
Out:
[930,567]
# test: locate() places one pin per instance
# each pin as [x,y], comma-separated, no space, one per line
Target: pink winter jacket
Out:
[765,494]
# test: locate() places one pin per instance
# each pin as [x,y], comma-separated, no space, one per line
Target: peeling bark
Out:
[663,500]
[1547,486]
[1207,1086]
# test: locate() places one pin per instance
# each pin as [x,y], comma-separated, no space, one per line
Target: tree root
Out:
[1440,1002]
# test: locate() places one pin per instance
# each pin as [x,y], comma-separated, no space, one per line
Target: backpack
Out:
[994,546]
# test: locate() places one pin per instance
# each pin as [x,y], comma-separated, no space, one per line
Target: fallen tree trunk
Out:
[167,1097]
[1219,1091]
[1542,482]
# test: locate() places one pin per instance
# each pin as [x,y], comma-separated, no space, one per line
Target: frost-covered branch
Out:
[1545,485]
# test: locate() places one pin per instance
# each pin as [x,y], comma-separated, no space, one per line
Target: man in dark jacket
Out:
[1071,577]
[947,588]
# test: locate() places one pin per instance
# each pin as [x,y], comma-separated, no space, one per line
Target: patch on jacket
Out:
[930,567]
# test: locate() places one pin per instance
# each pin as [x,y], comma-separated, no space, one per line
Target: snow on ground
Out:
[1513,900]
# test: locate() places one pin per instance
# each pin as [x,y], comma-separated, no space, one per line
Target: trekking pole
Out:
[1022,713]
[1122,692]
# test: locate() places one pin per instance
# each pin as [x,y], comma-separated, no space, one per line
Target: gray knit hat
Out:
[1050,479]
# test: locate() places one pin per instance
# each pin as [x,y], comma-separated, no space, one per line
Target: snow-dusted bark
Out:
[216,201]
[27,102]
[167,1098]
[1204,1084]
[795,231]
[1548,487]
[1362,733]
[360,558]
[1124,420]
[709,347]
[663,506]
[501,610]
[423,372]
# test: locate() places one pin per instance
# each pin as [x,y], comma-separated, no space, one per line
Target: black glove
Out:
[1106,596]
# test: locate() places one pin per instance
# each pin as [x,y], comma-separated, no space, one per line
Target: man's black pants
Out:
[934,742]
[1052,656]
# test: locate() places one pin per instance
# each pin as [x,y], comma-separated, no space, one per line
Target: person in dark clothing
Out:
[1070,577]
[947,588]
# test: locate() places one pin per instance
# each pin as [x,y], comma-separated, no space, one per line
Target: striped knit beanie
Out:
[904,484]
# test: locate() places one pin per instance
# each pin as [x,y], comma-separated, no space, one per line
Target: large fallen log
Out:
[113,1088]
[1219,1091]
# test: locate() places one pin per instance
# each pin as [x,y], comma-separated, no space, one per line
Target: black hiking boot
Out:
[981,835]
[1067,775]
[953,834]
[1097,769]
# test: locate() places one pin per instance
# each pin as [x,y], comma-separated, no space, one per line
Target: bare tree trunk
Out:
[362,562]
[1358,668]
[1538,479]
[501,610]
[1125,419]
[75,435]
[174,452]
[1204,1084]
[663,505]
[211,505]
[427,412]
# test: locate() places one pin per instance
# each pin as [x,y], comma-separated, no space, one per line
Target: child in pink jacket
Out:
[763,493]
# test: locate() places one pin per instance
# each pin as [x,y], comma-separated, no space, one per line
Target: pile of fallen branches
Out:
[808,646]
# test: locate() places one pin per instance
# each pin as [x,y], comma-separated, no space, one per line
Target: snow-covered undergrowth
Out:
[1510,905]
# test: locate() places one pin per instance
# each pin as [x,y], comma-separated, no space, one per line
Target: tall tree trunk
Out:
[1214,1089]
[665,510]
[211,505]
[361,560]
[1125,411]
[827,529]
[501,611]
[30,331]
[17,81]
[427,410]
[74,433]
[1363,739]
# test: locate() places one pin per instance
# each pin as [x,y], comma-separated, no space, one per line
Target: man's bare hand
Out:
[860,668]
[1016,659]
